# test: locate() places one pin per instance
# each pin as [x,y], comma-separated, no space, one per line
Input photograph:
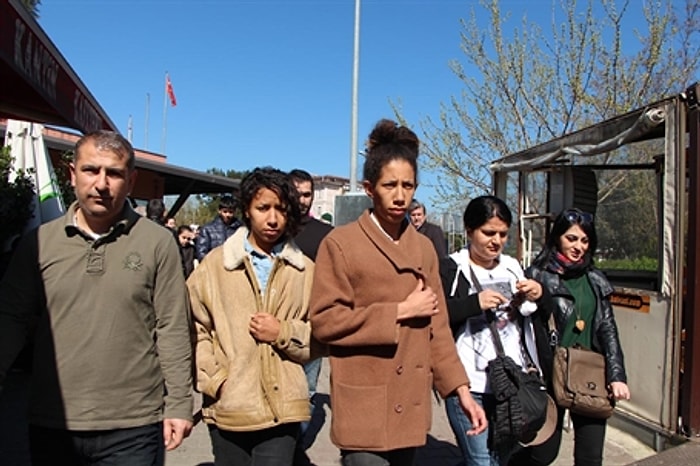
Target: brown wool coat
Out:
[382,372]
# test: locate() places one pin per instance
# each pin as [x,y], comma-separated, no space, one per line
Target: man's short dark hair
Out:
[415,204]
[299,176]
[227,202]
[111,141]
[155,210]
[183,228]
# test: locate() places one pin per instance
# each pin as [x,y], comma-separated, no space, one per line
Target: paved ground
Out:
[441,450]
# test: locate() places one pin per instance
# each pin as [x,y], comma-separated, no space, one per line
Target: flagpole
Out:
[353,124]
[130,129]
[165,115]
[148,110]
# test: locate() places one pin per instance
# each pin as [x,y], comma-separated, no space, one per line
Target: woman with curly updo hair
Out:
[377,303]
[250,299]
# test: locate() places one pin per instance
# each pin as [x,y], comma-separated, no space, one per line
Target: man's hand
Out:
[175,431]
[475,413]
[422,302]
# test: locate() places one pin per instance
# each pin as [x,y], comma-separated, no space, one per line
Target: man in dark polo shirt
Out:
[112,372]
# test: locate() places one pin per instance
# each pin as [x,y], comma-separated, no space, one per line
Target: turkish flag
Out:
[169,90]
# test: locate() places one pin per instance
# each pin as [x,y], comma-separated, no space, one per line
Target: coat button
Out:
[399,370]
[398,408]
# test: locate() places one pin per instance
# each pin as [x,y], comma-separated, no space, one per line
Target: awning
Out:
[637,125]
[179,180]
[37,83]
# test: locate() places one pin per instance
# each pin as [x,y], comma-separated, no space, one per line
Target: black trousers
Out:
[136,446]
[589,440]
[267,447]
[401,457]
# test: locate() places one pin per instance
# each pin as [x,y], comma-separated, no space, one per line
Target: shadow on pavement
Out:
[318,418]
[438,452]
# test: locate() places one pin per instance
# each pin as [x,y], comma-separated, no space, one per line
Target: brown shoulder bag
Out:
[578,378]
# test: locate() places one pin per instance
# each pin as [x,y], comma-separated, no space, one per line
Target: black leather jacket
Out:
[605,338]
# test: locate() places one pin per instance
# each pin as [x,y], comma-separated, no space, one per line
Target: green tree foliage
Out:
[16,198]
[203,207]
[63,176]
[32,6]
[523,86]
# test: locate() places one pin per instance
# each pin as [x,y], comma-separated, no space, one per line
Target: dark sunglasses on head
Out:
[578,217]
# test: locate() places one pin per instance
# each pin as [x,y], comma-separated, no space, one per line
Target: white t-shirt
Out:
[475,343]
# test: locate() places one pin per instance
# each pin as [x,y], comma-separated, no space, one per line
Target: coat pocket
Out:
[359,416]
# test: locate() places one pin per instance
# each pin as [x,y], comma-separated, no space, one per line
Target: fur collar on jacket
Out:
[234,251]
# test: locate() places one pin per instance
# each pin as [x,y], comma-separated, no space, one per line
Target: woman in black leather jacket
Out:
[583,315]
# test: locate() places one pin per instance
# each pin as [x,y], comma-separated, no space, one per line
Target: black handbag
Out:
[521,396]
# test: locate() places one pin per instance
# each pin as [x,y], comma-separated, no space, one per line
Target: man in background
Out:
[417,215]
[103,288]
[214,233]
[155,211]
[185,239]
[171,223]
[311,232]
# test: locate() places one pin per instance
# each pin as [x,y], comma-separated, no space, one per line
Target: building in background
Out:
[326,189]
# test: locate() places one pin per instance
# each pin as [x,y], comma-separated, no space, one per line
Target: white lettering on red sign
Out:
[35,61]
[84,113]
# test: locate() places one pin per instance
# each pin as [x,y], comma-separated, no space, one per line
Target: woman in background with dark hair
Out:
[250,300]
[482,283]
[377,303]
[583,316]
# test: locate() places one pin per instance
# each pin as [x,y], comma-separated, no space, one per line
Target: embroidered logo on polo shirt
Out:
[133,261]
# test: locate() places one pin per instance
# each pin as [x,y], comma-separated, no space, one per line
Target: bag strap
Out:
[490,317]
[492,325]
[453,289]
[553,332]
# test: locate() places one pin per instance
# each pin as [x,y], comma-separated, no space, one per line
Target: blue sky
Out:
[264,82]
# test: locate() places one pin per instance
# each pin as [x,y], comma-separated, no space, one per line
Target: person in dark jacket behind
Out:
[311,232]
[185,239]
[220,229]
[416,212]
[583,315]
[155,211]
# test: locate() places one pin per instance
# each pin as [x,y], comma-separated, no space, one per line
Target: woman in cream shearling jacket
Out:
[250,300]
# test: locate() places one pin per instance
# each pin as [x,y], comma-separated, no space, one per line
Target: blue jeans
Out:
[312,370]
[267,447]
[476,449]
[135,446]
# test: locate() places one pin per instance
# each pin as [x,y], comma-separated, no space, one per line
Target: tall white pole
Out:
[355,76]
[130,129]
[148,109]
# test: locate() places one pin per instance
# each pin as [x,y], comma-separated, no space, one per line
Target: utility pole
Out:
[355,77]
